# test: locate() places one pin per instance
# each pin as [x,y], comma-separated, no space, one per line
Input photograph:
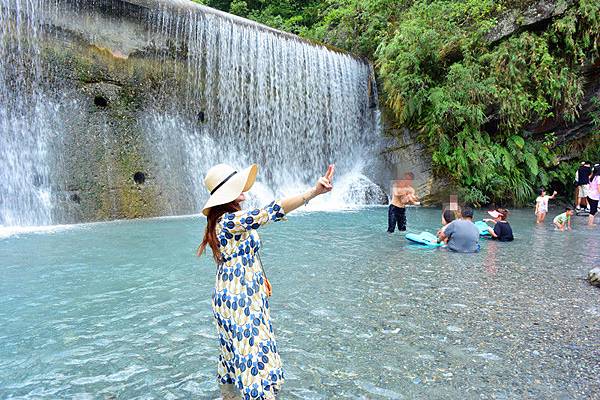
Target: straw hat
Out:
[225,184]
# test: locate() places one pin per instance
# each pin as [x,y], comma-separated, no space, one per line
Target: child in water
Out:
[563,220]
[447,217]
[541,205]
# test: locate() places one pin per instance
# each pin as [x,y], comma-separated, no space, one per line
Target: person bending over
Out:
[563,221]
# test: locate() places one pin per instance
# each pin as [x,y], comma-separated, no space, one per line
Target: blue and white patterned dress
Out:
[248,352]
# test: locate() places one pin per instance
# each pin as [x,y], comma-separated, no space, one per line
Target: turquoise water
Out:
[122,310]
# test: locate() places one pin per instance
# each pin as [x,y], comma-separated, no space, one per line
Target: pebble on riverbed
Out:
[594,276]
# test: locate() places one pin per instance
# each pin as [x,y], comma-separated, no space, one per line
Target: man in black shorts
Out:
[402,194]
[582,181]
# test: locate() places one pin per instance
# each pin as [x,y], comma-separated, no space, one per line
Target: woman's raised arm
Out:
[323,185]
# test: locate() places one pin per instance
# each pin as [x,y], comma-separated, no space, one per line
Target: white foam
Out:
[8,231]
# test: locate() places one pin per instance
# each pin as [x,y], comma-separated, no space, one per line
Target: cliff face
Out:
[537,17]
[571,132]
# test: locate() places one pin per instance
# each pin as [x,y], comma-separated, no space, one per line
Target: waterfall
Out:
[224,89]
[26,121]
[290,106]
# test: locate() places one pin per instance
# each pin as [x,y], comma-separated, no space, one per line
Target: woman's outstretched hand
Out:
[325,183]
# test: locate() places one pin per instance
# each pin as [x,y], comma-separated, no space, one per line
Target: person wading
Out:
[249,365]
[403,194]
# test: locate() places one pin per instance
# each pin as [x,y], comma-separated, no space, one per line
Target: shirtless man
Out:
[402,194]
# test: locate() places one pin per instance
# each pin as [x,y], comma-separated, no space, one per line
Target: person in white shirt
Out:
[541,205]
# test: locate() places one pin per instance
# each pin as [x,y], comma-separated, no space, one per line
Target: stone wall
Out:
[102,147]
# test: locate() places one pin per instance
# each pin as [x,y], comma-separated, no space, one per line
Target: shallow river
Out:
[121,310]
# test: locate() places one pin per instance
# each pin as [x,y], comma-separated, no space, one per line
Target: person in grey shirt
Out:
[462,234]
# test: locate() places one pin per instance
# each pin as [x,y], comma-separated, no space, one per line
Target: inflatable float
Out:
[483,228]
[424,239]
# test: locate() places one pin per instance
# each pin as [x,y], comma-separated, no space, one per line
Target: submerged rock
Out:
[594,276]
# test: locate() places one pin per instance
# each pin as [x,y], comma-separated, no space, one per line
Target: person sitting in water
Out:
[502,230]
[562,221]
[462,234]
[541,205]
[447,217]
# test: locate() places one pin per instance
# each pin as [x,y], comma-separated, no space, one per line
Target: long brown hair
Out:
[210,233]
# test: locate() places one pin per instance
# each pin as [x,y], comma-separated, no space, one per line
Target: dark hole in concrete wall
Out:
[75,198]
[139,178]
[201,117]
[38,180]
[101,101]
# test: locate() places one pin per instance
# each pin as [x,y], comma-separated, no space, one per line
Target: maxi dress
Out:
[248,352]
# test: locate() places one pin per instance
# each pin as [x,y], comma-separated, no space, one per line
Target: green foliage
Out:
[293,16]
[239,7]
[471,101]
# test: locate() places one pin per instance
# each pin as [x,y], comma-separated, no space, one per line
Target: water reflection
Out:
[490,261]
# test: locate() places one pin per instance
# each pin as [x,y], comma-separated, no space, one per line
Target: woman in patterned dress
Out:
[249,362]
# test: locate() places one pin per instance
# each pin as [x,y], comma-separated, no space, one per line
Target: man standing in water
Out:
[403,194]
[582,183]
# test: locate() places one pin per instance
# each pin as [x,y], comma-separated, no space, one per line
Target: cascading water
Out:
[223,89]
[26,118]
[287,105]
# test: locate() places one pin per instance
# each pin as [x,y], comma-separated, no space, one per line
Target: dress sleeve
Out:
[246,220]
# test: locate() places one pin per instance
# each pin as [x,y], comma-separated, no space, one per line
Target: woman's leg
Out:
[593,210]
[230,392]
[542,216]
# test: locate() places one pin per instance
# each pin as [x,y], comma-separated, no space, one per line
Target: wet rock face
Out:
[407,155]
[594,276]
[538,13]
[376,195]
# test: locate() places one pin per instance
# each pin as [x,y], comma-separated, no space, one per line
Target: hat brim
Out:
[494,214]
[238,184]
